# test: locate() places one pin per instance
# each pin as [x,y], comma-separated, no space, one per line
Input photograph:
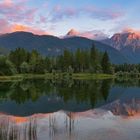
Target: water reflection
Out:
[92,110]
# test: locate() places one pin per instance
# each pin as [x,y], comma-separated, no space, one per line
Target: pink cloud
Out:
[8,2]
[43,19]
[103,14]
[4,26]
[60,13]
[17,11]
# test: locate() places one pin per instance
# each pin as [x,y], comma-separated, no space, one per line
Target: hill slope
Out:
[52,46]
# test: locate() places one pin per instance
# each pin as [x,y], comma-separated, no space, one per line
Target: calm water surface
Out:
[70,110]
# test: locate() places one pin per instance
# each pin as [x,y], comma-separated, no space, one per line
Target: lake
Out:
[70,110]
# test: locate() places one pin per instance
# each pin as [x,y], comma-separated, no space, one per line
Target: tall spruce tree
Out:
[94,56]
[78,60]
[105,63]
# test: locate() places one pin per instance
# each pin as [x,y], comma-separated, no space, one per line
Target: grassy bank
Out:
[92,76]
[20,77]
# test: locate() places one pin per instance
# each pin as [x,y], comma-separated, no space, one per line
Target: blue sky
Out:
[57,17]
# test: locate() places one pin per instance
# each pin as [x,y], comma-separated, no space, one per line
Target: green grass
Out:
[20,77]
[91,76]
[10,78]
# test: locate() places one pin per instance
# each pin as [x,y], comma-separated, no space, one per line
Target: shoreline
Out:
[78,76]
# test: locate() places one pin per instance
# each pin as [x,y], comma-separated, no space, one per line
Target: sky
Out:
[57,17]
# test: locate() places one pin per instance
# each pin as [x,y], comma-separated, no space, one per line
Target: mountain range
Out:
[121,47]
[127,43]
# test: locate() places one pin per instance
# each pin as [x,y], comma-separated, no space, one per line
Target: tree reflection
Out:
[79,92]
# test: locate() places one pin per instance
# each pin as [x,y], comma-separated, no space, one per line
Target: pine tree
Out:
[94,56]
[105,63]
[77,60]
[67,59]
[48,64]
[34,60]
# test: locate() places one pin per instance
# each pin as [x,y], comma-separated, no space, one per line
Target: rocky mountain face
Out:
[127,43]
[123,40]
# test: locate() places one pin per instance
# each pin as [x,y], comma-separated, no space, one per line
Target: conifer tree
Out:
[105,63]
[94,56]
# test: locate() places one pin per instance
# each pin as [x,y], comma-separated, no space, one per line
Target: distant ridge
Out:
[52,46]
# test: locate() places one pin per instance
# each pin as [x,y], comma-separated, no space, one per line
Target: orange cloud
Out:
[131,30]
[19,27]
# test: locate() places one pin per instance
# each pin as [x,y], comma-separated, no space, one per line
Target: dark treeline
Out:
[127,70]
[22,61]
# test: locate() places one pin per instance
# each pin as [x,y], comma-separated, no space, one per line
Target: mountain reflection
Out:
[60,125]
[10,130]
[53,126]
